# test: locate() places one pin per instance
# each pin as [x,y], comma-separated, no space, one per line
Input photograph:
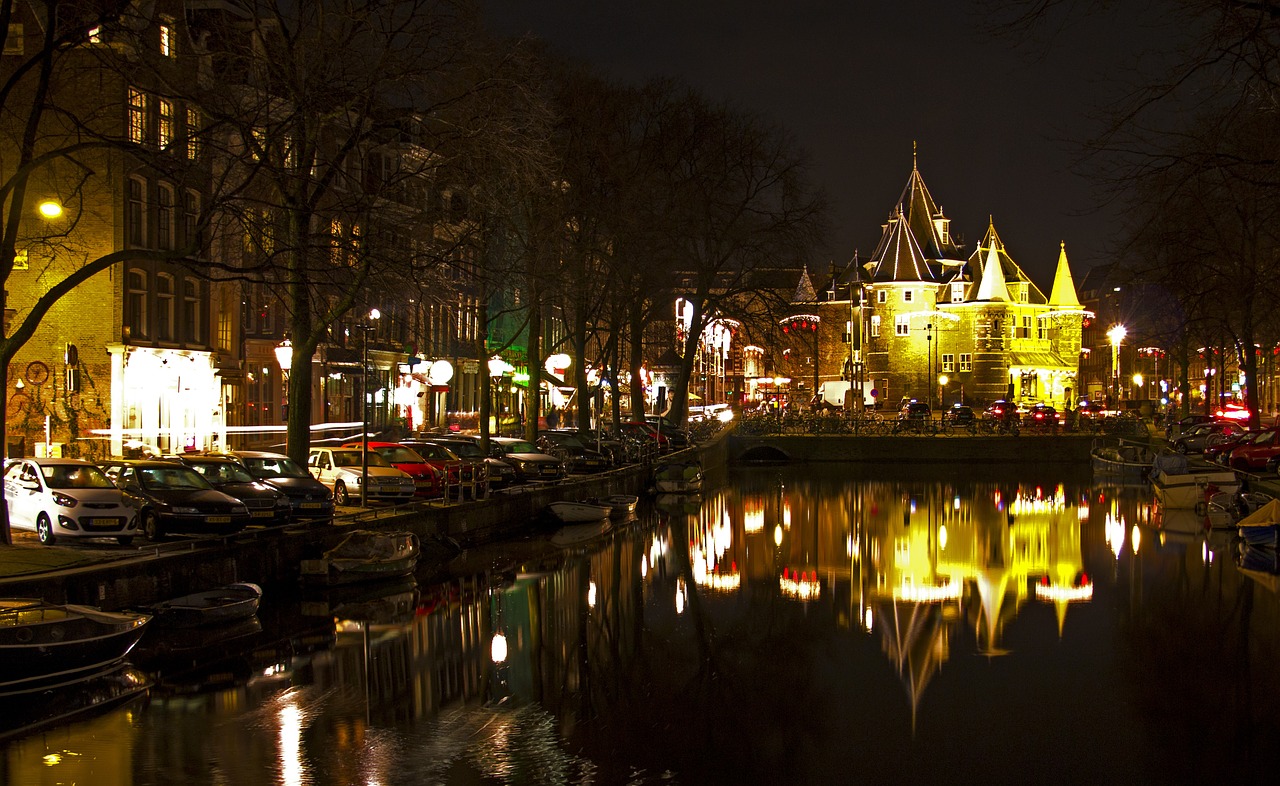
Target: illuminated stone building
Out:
[921,319]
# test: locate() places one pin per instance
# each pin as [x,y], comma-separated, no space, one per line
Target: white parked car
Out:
[339,469]
[60,497]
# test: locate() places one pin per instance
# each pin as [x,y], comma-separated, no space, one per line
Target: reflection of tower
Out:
[914,637]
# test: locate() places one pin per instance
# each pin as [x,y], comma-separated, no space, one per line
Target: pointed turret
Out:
[993,286]
[1064,288]
[901,258]
[805,292]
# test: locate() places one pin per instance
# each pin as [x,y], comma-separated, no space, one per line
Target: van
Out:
[833,394]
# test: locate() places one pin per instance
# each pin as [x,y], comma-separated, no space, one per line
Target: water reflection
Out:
[803,623]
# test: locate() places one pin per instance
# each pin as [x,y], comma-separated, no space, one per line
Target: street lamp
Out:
[50,209]
[365,328]
[1116,334]
[284,356]
[943,379]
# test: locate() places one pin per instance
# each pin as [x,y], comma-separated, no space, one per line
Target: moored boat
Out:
[570,512]
[1192,487]
[678,477]
[364,555]
[1124,461]
[620,505]
[45,645]
[217,606]
[1261,527]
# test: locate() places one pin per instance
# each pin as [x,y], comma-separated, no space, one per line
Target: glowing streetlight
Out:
[284,356]
[50,208]
[943,379]
[1116,334]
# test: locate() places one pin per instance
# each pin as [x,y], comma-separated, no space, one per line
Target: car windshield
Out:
[520,447]
[222,472]
[351,458]
[275,468]
[74,476]
[435,452]
[465,450]
[171,478]
[399,454]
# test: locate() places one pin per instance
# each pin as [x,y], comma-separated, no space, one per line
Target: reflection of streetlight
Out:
[284,356]
[1116,334]
[365,328]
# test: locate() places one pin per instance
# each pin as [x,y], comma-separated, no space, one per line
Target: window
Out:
[95,34]
[966,362]
[847,338]
[1025,330]
[224,321]
[166,40]
[135,210]
[882,296]
[193,133]
[164,122]
[164,307]
[957,291]
[335,241]
[875,325]
[135,304]
[902,325]
[948,362]
[908,295]
[191,222]
[1042,328]
[13,44]
[164,217]
[137,116]
[191,317]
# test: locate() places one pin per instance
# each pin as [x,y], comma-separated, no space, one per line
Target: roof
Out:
[1010,269]
[900,257]
[1064,288]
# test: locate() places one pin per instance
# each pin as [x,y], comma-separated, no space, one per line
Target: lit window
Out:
[135,306]
[957,291]
[13,44]
[902,325]
[875,325]
[95,34]
[948,362]
[966,363]
[164,217]
[193,133]
[137,116]
[134,214]
[164,124]
[166,40]
[164,307]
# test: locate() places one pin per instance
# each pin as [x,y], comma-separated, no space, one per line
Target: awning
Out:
[1038,361]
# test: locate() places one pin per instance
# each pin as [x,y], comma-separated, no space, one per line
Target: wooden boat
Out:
[569,512]
[1193,487]
[678,478]
[218,606]
[1261,527]
[364,555]
[620,505]
[44,645]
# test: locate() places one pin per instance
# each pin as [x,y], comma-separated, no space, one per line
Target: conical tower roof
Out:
[900,257]
[920,211]
[1064,287]
[1010,271]
[805,293]
[992,286]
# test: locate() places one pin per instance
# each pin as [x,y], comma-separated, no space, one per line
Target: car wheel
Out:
[151,526]
[44,530]
[1181,447]
[340,494]
[125,540]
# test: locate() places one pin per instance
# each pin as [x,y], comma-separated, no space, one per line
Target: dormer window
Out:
[957,291]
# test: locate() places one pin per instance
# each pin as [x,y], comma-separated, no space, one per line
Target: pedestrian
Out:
[553,418]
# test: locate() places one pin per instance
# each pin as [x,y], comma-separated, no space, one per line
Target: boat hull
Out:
[579,512]
[45,645]
[1192,489]
[220,606]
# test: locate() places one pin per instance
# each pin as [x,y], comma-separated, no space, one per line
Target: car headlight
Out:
[239,510]
[185,509]
[282,501]
[63,500]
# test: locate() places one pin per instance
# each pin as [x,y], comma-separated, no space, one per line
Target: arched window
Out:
[135,211]
[135,303]
[164,217]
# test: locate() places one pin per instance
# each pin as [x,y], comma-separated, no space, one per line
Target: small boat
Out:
[569,512]
[364,555]
[1126,461]
[45,645]
[218,606]
[620,505]
[40,710]
[578,534]
[678,478]
[1178,485]
[1261,527]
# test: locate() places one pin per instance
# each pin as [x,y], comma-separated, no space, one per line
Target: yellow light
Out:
[943,379]
[1137,380]
[498,649]
[50,209]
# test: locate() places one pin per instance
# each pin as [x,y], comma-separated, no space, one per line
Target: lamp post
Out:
[1116,334]
[943,379]
[365,328]
[284,357]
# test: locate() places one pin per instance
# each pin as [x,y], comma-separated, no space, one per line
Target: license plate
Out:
[218,519]
[311,505]
[104,522]
[262,514]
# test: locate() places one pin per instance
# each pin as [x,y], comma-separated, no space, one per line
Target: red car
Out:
[459,471]
[1255,455]
[427,480]
[1220,451]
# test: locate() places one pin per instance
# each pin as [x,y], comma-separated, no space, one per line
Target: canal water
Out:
[801,624]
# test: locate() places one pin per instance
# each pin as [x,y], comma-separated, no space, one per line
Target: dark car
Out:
[266,504]
[958,415]
[915,410]
[308,497]
[1041,415]
[172,497]
[529,462]
[580,457]
[1184,423]
[498,473]
[1198,437]
[645,433]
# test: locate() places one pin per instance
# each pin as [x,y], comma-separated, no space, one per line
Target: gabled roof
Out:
[899,256]
[1064,288]
[1009,270]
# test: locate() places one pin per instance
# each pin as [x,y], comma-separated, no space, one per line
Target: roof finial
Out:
[914,168]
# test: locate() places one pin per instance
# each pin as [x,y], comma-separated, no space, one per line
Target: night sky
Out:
[999,121]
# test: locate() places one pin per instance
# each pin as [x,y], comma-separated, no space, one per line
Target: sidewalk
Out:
[26,557]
